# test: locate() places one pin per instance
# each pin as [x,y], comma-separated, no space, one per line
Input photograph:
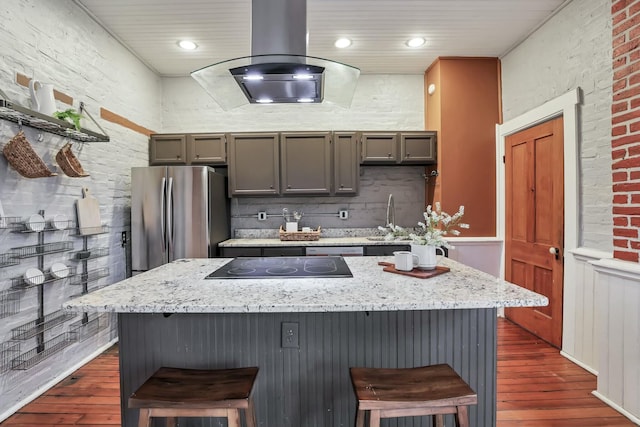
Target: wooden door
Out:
[534,181]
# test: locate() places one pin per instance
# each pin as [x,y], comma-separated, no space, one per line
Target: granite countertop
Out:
[323,241]
[328,237]
[180,287]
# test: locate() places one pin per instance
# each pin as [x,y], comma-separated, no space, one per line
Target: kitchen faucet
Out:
[391,211]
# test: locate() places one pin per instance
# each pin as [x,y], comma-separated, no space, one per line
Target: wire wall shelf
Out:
[44,249]
[9,221]
[90,326]
[9,303]
[37,227]
[24,116]
[91,231]
[8,259]
[90,276]
[33,328]
[8,351]
[43,279]
[49,348]
[90,254]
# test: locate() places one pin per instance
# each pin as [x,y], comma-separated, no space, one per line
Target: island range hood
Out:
[278,70]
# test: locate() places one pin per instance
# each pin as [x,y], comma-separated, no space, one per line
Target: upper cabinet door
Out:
[346,163]
[379,147]
[168,149]
[254,164]
[418,147]
[207,148]
[305,162]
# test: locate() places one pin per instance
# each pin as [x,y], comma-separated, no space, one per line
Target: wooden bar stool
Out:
[407,392]
[174,392]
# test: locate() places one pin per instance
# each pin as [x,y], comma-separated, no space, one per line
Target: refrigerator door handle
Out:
[163,188]
[170,217]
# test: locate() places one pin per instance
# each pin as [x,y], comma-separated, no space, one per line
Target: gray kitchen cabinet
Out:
[393,148]
[379,147]
[233,252]
[254,164]
[384,250]
[305,163]
[168,149]
[418,147]
[283,251]
[346,163]
[207,149]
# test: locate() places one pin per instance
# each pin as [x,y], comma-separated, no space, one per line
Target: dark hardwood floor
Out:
[536,387]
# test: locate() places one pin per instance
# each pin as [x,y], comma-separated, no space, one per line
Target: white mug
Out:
[405,261]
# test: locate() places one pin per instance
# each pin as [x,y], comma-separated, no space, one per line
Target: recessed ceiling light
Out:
[302,76]
[264,101]
[187,44]
[415,42]
[342,43]
[305,100]
[253,77]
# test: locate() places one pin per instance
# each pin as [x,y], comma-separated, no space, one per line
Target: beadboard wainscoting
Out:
[618,331]
[579,338]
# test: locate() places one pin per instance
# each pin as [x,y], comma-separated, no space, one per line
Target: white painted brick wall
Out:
[381,102]
[56,42]
[571,50]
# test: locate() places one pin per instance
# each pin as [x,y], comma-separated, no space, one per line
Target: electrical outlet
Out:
[343,214]
[290,335]
[262,216]
[124,239]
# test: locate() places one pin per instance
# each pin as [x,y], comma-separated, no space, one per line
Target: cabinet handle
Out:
[197,156]
[271,187]
[177,157]
[408,154]
[288,186]
[389,155]
[341,186]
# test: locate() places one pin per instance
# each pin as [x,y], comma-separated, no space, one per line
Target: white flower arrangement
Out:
[436,225]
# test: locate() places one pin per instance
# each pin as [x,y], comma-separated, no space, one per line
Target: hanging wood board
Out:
[88,210]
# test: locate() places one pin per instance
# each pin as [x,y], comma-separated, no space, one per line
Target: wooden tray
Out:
[421,274]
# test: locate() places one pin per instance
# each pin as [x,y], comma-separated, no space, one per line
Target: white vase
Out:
[426,255]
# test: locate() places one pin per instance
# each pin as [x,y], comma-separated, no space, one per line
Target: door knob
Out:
[554,251]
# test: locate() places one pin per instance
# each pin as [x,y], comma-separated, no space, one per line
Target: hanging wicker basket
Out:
[69,163]
[21,156]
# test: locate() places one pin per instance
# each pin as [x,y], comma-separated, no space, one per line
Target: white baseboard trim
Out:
[579,363]
[617,407]
[55,381]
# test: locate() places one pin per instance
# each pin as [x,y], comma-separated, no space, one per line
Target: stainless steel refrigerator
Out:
[176,212]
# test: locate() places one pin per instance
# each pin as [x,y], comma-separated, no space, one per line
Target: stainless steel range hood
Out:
[278,70]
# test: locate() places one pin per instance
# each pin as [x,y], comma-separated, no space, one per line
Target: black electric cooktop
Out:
[282,267]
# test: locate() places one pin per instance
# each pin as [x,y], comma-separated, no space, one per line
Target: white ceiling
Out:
[378,28]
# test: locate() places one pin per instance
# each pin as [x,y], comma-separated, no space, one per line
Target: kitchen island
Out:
[173,316]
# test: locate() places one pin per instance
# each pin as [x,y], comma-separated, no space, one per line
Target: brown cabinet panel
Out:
[168,149]
[254,164]
[379,147]
[418,147]
[346,163]
[305,162]
[207,148]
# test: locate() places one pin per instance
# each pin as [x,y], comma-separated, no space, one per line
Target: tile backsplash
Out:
[366,210]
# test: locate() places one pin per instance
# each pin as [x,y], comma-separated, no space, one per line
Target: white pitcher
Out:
[42,97]
[426,255]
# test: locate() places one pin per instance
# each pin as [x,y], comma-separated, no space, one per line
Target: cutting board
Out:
[88,210]
[421,274]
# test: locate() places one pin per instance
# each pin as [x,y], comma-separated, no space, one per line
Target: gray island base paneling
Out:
[309,386]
